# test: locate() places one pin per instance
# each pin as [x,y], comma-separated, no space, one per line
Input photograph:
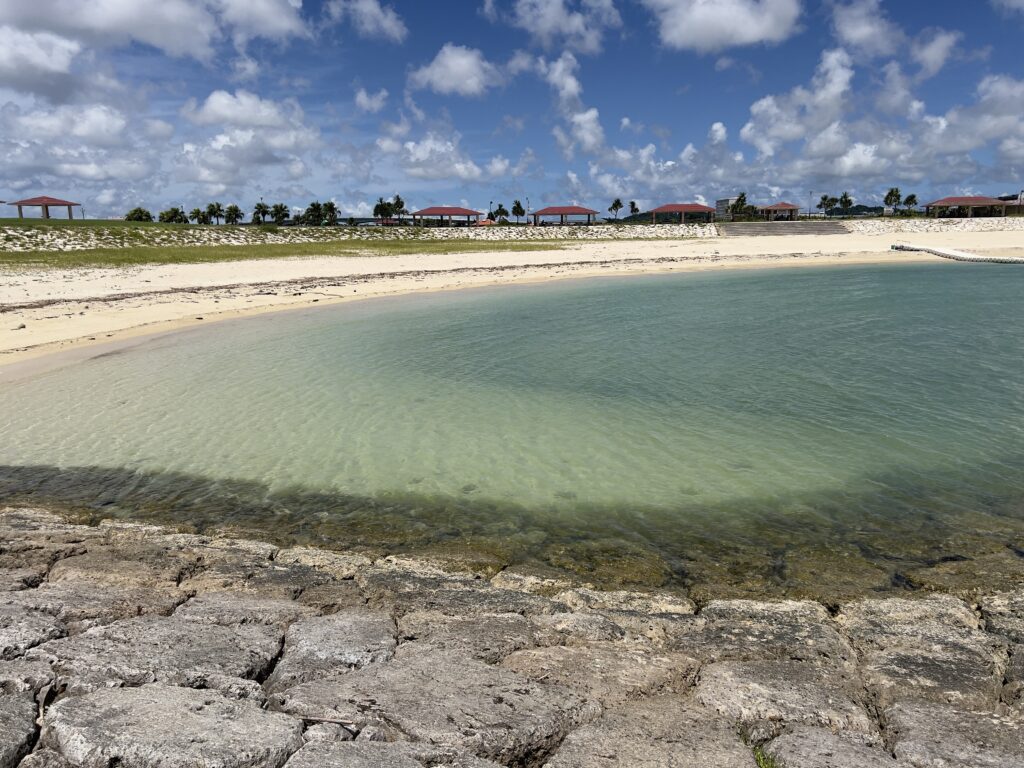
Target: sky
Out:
[118,103]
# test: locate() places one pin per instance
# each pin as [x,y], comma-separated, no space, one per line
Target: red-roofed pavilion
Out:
[971,204]
[46,203]
[780,212]
[442,212]
[693,209]
[563,212]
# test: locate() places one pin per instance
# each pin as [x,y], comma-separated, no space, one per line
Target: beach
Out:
[52,309]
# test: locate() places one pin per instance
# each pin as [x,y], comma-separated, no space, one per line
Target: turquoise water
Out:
[688,427]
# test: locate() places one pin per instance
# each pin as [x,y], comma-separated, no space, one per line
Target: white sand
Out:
[61,309]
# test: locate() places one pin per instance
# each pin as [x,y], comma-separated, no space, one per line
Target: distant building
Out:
[723,208]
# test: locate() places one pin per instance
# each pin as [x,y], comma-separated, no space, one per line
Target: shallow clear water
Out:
[659,427]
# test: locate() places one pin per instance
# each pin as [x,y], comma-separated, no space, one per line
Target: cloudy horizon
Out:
[118,103]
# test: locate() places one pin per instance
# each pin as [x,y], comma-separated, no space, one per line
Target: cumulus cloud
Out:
[705,27]
[35,62]
[370,18]
[579,25]
[933,49]
[241,108]
[718,133]
[438,157]
[863,26]
[372,103]
[456,70]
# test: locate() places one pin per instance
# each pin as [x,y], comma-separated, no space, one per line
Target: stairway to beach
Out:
[780,228]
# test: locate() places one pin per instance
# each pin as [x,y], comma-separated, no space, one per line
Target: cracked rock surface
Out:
[126,645]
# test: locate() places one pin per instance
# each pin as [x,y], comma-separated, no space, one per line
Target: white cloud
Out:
[498,166]
[705,27]
[933,49]
[370,18]
[1009,5]
[895,96]
[36,62]
[862,26]
[372,103]
[778,120]
[579,25]
[456,70]
[718,133]
[270,19]
[96,124]
[242,108]
[587,130]
[436,157]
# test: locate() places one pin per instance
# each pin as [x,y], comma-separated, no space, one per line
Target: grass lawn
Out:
[135,255]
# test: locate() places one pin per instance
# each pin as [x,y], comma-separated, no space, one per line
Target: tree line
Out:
[317,214]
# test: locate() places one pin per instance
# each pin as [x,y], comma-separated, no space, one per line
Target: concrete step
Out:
[781,228]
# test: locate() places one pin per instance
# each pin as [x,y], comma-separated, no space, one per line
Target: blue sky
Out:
[116,103]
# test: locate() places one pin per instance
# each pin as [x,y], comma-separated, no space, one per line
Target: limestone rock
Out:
[490,638]
[22,628]
[169,650]
[333,596]
[927,735]
[325,645]
[45,758]
[769,693]
[228,609]
[17,727]
[809,747]
[574,628]
[654,733]
[147,564]
[749,630]
[611,673]
[930,649]
[22,675]
[622,600]
[264,580]
[368,754]
[446,699]
[426,589]
[80,605]
[337,564]
[1004,615]
[1013,691]
[158,726]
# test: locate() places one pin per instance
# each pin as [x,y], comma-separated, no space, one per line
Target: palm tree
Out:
[198,215]
[233,214]
[893,199]
[739,206]
[382,210]
[518,210]
[173,216]
[260,211]
[615,207]
[910,203]
[330,214]
[279,213]
[314,215]
[215,211]
[138,214]
[846,203]
[398,207]
[634,209]
[500,212]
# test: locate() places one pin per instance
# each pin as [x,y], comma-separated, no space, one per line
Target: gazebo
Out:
[970,204]
[563,212]
[780,211]
[694,209]
[46,203]
[442,212]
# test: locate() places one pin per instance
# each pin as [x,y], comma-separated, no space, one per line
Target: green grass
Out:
[763,760]
[89,223]
[135,255]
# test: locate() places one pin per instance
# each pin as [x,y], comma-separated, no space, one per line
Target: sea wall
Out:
[129,645]
[75,238]
[898,226]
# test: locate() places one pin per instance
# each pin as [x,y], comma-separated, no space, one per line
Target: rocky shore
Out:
[128,645]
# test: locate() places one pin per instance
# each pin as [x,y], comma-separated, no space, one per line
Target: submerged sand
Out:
[46,310]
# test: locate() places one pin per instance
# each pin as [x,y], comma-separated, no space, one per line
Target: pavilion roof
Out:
[781,207]
[966,202]
[446,210]
[684,208]
[32,201]
[565,210]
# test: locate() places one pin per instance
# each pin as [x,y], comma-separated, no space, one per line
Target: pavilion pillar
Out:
[970,212]
[46,211]
[70,214]
[21,213]
[654,218]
